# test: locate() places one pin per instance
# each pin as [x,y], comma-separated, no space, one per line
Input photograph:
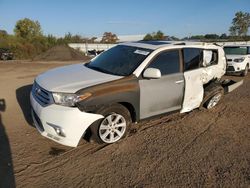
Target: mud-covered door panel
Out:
[164,94]
[193,90]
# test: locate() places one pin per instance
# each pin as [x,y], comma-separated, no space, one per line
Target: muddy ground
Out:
[201,148]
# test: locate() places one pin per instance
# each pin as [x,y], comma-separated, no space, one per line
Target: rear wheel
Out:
[214,101]
[212,96]
[114,126]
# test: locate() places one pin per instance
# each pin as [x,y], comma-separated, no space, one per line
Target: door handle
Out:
[179,81]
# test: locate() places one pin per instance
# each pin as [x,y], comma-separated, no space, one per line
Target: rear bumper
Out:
[65,125]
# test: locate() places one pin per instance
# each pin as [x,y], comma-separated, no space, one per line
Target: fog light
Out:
[59,131]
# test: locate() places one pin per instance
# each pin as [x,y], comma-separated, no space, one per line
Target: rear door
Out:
[193,73]
[165,94]
[200,66]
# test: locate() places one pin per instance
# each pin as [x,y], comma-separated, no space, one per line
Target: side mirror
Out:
[152,73]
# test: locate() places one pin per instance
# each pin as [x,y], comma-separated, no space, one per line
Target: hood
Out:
[70,79]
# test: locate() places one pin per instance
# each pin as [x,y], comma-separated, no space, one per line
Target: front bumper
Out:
[235,67]
[65,125]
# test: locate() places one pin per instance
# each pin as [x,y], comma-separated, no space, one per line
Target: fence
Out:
[85,47]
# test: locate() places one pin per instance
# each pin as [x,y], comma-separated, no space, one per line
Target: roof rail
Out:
[216,44]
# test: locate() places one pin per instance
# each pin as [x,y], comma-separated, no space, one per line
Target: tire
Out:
[245,71]
[212,96]
[113,127]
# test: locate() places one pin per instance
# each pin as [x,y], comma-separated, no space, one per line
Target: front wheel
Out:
[114,126]
[245,71]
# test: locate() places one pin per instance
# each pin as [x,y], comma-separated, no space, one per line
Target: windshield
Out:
[120,60]
[238,50]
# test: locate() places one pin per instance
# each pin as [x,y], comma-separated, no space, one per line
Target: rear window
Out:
[192,58]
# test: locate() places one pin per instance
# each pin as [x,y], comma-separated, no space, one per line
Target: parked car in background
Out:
[6,54]
[93,53]
[238,59]
[127,83]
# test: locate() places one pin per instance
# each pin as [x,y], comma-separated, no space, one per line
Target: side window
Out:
[248,51]
[192,58]
[210,57]
[167,62]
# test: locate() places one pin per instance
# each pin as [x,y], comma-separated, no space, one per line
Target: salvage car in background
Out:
[238,59]
[6,54]
[125,84]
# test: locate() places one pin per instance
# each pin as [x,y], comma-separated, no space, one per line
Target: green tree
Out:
[3,33]
[240,24]
[212,36]
[159,35]
[27,28]
[224,36]
[52,41]
[109,37]
[197,37]
[148,37]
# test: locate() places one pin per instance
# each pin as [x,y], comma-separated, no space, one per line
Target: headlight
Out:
[67,99]
[239,60]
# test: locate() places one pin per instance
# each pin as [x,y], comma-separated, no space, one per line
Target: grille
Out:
[230,68]
[41,95]
[38,121]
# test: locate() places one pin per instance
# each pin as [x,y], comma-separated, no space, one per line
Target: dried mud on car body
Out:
[201,148]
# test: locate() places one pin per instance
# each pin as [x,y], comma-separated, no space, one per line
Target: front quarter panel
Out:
[125,90]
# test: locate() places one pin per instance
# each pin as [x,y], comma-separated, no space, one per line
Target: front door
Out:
[158,96]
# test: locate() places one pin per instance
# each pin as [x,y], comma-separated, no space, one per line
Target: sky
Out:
[124,17]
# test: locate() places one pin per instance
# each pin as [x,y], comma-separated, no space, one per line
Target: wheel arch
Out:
[209,89]
[131,110]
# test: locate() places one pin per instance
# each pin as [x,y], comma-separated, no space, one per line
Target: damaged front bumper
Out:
[235,68]
[65,125]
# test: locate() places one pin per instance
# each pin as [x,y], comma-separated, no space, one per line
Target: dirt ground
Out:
[201,148]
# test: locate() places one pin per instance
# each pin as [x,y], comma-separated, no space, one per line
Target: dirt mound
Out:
[61,53]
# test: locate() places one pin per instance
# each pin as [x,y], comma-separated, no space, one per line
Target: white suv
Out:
[238,59]
[125,84]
